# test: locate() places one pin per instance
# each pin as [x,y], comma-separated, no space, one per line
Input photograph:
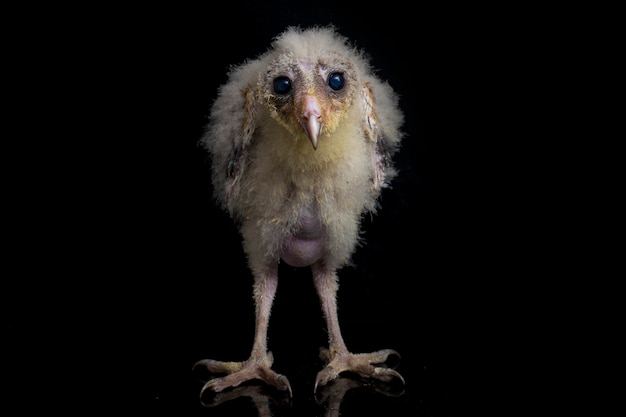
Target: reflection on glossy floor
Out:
[346,396]
[272,403]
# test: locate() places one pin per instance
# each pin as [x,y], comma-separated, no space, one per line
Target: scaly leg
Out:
[258,366]
[337,357]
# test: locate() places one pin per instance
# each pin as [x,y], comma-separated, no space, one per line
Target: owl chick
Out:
[301,140]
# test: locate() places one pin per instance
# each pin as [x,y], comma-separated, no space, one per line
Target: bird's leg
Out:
[258,366]
[337,357]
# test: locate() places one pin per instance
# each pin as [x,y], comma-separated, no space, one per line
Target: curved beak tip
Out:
[313,127]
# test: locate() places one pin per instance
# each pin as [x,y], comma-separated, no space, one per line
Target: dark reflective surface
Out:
[329,402]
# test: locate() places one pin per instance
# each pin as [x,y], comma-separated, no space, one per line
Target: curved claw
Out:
[217,385]
[388,374]
[390,352]
[283,384]
[208,386]
[324,377]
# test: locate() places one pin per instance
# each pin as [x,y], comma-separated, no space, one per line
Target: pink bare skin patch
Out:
[305,246]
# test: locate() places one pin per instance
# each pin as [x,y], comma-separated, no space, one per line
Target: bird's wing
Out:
[229,134]
[237,158]
[381,158]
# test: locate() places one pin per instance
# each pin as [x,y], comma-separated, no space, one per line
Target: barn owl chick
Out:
[301,140]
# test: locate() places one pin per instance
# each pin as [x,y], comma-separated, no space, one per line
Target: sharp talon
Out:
[387,353]
[286,385]
[204,388]
[315,386]
[391,352]
[393,373]
[323,377]
[317,381]
[201,363]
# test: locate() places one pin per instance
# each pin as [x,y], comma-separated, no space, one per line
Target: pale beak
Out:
[312,119]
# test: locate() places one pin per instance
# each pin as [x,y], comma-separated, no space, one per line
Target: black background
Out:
[128,273]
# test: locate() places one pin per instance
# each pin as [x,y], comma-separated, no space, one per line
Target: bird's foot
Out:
[238,373]
[369,366]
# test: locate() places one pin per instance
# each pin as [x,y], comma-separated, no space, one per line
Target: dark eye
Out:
[282,85]
[336,81]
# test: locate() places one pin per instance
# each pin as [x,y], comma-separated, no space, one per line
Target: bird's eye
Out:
[282,85]
[336,81]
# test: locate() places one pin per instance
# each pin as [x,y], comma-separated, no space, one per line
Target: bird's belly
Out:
[300,252]
[306,245]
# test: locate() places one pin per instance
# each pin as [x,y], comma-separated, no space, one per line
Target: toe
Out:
[282,383]
[380,357]
[217,367]
[211,386]
[387,375]
[324,377]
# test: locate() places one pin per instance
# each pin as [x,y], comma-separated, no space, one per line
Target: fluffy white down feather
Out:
[265,171]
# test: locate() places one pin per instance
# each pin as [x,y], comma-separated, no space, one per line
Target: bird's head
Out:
[309,94]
